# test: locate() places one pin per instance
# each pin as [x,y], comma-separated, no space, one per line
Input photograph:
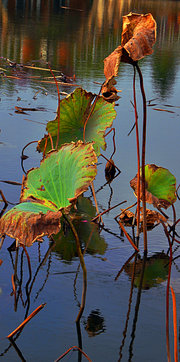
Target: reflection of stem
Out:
[106,183]
[96,204]
[78,246]
[79,341]
[40,265]
[167,290]
[137,307]
[129,308]
[143,157]
[17,349]
[27,284]
[112,129]
[84,251]
[110,197]
[124,265]
[47,275]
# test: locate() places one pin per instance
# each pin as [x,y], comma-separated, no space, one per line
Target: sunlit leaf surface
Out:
[60,179]
[160,186]
[74,110]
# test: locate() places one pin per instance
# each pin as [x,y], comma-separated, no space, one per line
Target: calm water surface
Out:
[75,37]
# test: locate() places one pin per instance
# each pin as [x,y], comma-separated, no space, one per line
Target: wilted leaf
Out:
[160,186]
[153,218]
[74,110]
[29,221]
[60,179]
[138,37]
[109,92]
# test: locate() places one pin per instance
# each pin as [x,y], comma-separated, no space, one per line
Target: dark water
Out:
[75,37]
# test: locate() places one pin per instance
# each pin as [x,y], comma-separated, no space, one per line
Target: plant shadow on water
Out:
[53,204]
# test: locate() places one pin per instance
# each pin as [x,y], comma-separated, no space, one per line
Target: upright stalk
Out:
[138,152]
[143,157]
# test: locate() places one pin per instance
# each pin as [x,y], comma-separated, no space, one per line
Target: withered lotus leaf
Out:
[30,221]
[160,186]
[153,218]
[62,176]
[74,110]
[138,37]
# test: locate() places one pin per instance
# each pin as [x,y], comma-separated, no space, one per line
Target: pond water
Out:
[118,323]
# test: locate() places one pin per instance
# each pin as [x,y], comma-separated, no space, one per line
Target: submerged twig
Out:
[73,348]
[111,208]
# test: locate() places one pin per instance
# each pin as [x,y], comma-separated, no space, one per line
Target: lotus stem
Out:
[58,110]
[138,151]
[90,113]
[143,157]
[175,326]
[128,237]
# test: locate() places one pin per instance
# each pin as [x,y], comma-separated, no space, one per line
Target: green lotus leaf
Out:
[62,176]
[160,186]
[74,110]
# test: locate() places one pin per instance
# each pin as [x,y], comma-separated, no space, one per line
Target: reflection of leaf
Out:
[74,110]
[95,323]
[88,233]
[138,37]
[156,270]
[160,186]
[60,179]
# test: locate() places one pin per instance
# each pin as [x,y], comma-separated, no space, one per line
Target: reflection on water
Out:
[41,30]
[95,323]
[75,36]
